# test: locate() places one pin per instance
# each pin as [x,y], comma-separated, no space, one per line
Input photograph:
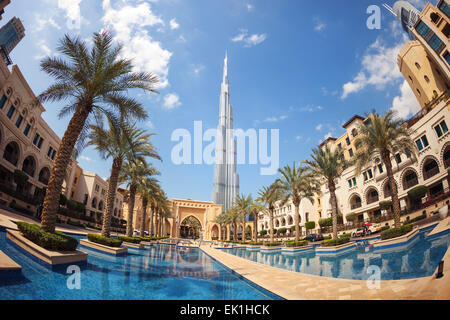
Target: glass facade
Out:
[9,36]
[445,8]
[2,101]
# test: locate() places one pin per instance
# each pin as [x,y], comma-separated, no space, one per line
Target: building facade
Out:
[11,34]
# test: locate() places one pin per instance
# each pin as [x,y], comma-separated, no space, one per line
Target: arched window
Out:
[11,153]
[29,166]
[435,17]
[426,79]
[447,157]
[418,91]
[100,205]
[355,202]
[430,169]
[410,180]
[44,175]
[417,65]
[94,203]
[372,196]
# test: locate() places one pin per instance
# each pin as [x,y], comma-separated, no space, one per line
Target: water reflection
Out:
[417,259]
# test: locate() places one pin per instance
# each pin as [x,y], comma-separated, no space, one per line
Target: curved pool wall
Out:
[419,258]
[161,272]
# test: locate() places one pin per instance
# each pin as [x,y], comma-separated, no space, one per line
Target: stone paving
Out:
[300,286]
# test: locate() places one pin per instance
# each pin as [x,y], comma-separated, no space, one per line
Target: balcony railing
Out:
[356,205]
[411,183]
[432,172]
[372,200]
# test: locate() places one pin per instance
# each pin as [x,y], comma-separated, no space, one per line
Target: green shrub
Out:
[421,217]
[396,232]
[296,243]
[346,235]
[130,239]
[352,216]
[75,205]
[253,243]
[272,244]
[57,241]
[384,228]
[110,242]
[417,193]
[335,242]
[20,178]
[62,200]
[21,209]
[328,222]
[76,223]
[385,205]
[281,231]
[263,232]
[310,225]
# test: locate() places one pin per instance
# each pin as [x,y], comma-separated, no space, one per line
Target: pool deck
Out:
[301,286]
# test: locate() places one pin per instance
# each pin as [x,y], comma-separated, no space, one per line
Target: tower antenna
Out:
[388,8]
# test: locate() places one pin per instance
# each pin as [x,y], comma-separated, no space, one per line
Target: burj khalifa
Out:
[226,180]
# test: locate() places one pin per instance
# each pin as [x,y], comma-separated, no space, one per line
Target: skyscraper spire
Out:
[226,180]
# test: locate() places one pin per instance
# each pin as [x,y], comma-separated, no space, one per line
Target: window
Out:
[352,182]
[49,153]
[368,175]
[348,141]
[446,58]
[97,188]
[435,42]
[2,101]
[422,143]
[445,8]
[19,121]
[398,158]
[365,176]
[350,151]
[340,146]
[39,145]
[435,17]
[369,172]
[418,91]
[423,29]
[27,130]
[53,154]
[408,153]
[11,112]
[36,138]
[441,129]
[380,168]
[417,65]
[426,79]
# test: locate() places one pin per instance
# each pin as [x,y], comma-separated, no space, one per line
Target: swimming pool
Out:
[419,258]
[161,272]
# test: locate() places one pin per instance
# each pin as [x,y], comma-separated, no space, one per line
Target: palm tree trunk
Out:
[334,208]
[235,232]
[144,214]
[63,156]
[152,207]
[297,220]
[131,201]
[271,224]
[243,228]
[161,226]
[394,191]
[111,196]
[255,228]
[157,225]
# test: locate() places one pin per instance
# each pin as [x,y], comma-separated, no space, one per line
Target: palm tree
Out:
[132,172]
[157,203]
[384,137]
[95,83]
[256,208]
[296,183]
[269,197]
[243,204]
[221,220]
[233,214]
[328,165]
[122,142]
[146,187]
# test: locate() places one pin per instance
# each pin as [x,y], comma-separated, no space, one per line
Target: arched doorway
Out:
[44,175]
[215,232]
[190,228]
[11,153]
[29,166]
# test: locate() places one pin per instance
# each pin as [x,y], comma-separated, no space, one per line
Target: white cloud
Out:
[171,101]
[249,40]
[86,158]
[72,10]
[198,69]
[130,24]
[275,119]
[319,127]
[319,25]
[298,138]
[44,48]
[250,7]
[150,124]
[308,108]
[174,24]
[41,23]
[379,68]
[406,103]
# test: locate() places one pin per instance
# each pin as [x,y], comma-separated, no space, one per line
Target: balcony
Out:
[411,183]
[430,173]
[356,205]
[372,200]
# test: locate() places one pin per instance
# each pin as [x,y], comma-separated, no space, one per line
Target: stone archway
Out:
[190,227]
[215,232]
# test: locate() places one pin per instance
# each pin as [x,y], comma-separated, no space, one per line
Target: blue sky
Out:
[304,67]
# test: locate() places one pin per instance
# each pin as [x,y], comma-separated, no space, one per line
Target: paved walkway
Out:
[300,286]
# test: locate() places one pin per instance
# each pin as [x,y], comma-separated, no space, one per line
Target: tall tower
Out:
[226,180]
[11,34]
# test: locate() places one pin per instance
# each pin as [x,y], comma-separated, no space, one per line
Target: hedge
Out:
[130,239]
[281,231]
[57,241]
[417,193]
[396,232]
[328,222]
[310,225]
[75,205]
[335,242]
[272,244]
[110,242]
[296,243]
[421,217]
[385,205]
[263,232]
[253,243]
[352,216]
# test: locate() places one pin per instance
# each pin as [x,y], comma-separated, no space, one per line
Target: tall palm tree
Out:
[384,137]
[243,204]
[120,142]
[328,165]
[132,172]
[146,187]
[256,208]
[157,203]
[296,183]
[93,83]
[269,197]
[221,220]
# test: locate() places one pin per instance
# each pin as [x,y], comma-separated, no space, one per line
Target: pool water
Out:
[419,258]
[161,272]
